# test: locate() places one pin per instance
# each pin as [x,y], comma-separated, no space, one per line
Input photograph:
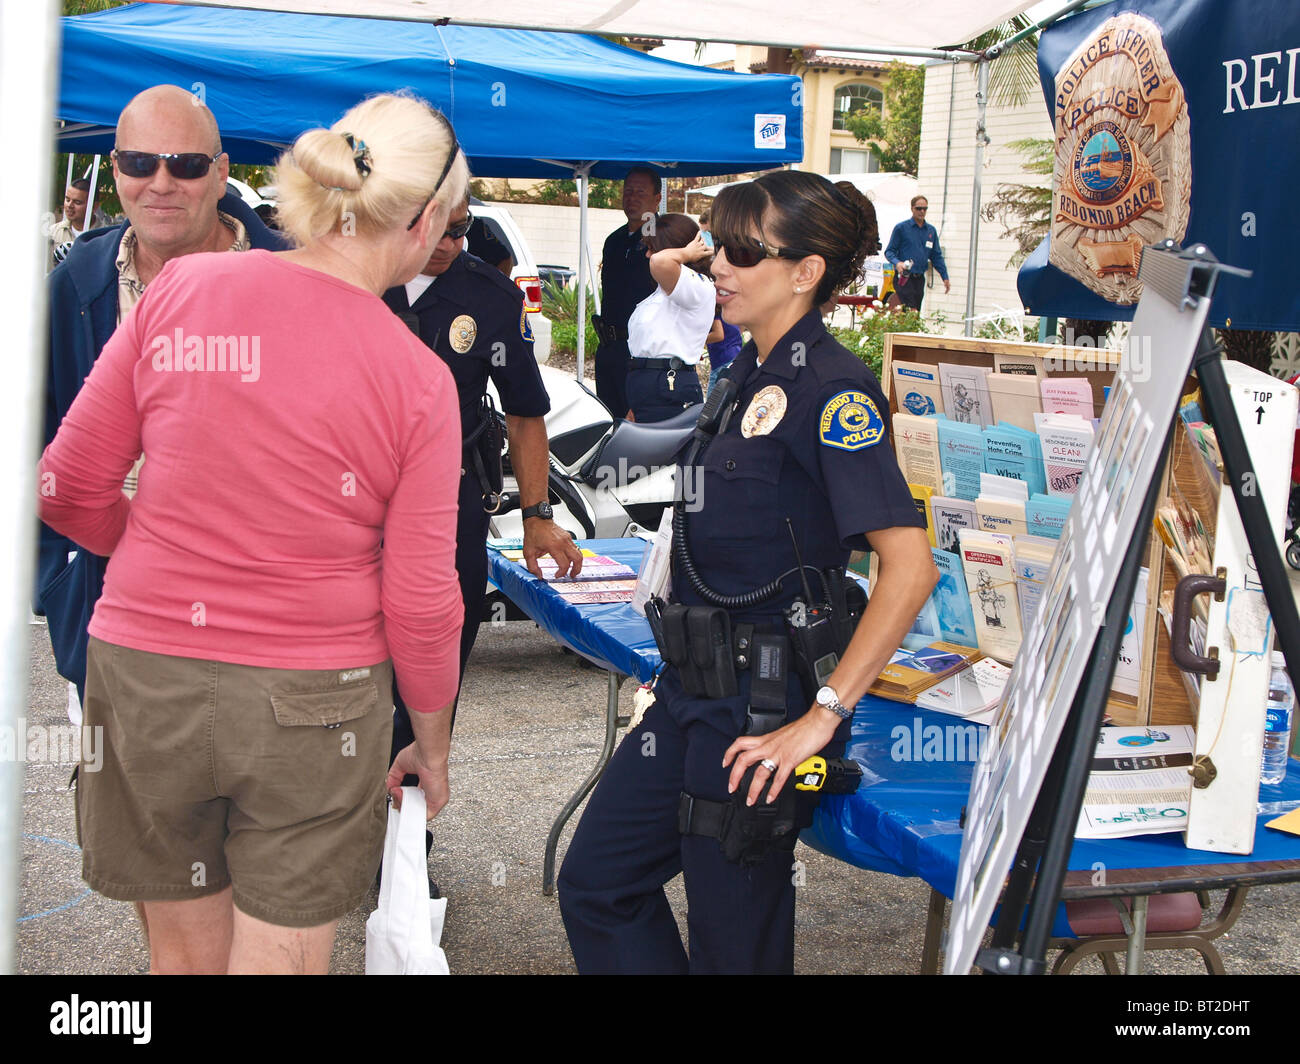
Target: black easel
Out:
[1044,851]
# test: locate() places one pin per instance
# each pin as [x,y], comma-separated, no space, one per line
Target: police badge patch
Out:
[765,412]
[1123,157]
[462,333]
[851,422]
[525,329]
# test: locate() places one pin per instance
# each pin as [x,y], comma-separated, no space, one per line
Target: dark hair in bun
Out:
[808,214]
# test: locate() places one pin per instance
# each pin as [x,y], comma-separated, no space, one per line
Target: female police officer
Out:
[804,458]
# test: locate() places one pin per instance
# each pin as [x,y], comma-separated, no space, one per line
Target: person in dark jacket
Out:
[171,178]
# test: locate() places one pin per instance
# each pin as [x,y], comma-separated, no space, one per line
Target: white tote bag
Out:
[403,933]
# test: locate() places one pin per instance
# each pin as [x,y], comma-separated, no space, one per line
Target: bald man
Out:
[171,178]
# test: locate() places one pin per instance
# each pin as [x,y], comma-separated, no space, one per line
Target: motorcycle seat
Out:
[635,450]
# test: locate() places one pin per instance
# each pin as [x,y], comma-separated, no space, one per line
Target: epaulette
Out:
[478,268]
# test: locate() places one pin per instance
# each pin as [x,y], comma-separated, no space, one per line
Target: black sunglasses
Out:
[184,166]
[920,208]
[747,255]
[455,232]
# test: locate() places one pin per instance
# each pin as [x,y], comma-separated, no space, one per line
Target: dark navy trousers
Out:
[471,568]
[627,846]
[651,399]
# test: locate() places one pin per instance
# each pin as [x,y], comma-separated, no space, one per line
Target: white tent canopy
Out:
[850,25]
[29,57]
[891,194]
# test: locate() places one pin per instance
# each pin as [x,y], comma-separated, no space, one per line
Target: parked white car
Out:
[525,274]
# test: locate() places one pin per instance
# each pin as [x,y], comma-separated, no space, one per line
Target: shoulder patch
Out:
[850,421]
[525,330]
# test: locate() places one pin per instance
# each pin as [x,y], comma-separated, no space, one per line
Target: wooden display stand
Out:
[1163,695]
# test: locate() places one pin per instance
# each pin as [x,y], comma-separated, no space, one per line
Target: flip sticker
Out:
[851,422]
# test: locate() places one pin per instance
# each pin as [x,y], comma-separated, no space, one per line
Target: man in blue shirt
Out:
[912,247]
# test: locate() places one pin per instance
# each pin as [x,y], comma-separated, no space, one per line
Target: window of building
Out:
[857,96]
[850,161]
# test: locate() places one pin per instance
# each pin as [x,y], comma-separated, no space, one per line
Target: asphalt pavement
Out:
[529,729]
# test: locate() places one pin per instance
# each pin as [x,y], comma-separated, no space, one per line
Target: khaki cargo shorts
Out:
[215,774]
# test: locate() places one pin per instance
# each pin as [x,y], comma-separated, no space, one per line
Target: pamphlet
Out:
[1140,782]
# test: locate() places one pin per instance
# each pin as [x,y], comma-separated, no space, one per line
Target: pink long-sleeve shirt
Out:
[297,505]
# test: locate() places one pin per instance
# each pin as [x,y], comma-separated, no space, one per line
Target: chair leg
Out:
[1109,964]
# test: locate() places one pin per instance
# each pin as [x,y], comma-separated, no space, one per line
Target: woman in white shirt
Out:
[667,331]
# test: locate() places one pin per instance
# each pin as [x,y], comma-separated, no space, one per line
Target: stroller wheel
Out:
[1293,554]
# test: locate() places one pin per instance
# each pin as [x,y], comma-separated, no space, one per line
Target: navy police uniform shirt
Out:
[808,441]
[473,318]
[624,276]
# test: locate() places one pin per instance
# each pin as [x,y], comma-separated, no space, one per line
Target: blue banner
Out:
[1172,119]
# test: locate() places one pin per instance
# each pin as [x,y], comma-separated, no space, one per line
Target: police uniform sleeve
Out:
[865,487]
[513,364]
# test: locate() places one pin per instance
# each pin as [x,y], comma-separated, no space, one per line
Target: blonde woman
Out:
[290,548]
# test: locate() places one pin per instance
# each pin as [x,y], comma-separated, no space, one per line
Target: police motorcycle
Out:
[608,478]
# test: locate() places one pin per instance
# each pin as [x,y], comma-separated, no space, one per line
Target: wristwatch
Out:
[542,510]
[830,700]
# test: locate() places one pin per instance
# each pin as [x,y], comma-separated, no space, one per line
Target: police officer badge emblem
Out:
[462,333]
[765,412]
[1123,157]
[850,422]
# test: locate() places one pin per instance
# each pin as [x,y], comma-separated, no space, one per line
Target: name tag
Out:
[929,243]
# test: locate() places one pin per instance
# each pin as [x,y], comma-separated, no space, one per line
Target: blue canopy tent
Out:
[524,103]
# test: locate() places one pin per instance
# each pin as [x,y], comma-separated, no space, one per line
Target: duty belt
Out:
[656,363]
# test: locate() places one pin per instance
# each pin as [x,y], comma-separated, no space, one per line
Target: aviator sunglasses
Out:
[751,254]
[184,166]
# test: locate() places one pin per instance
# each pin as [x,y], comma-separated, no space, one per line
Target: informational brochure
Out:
[1140,782]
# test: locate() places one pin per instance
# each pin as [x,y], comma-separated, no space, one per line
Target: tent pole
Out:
[29,56]
[981,139]
[584,264]
[90,196]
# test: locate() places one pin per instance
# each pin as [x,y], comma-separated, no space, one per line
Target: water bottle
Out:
[1277,728]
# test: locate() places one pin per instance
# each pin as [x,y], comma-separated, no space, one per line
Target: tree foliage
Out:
[896,137]
[1025,211]
[1013,75]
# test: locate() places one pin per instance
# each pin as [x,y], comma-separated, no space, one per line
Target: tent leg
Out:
[981,139]
[584,265]
[29,54]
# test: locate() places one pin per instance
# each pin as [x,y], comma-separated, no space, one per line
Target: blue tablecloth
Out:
[610,634]
[904,818]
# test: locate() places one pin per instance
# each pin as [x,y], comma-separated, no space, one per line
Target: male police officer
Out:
[171,178]
[913,245]
[472,316]
[624,281]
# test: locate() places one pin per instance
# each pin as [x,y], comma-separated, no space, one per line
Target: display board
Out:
[1125,458]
